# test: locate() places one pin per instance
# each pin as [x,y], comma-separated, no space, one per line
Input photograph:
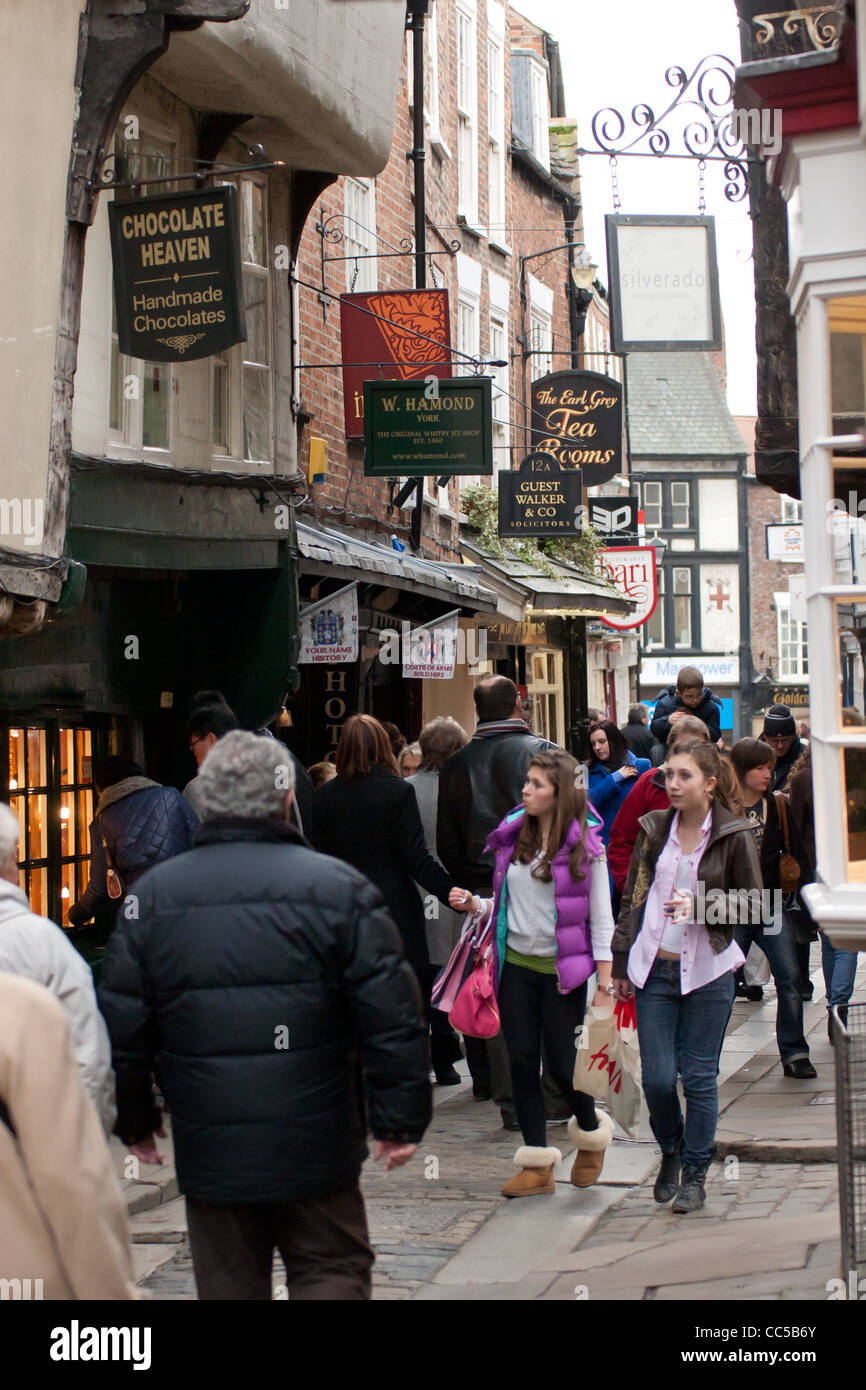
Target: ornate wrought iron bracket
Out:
[334,235]
[819,25]
[701,118]
[105,178]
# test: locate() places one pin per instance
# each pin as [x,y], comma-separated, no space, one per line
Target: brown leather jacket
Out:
[730,861]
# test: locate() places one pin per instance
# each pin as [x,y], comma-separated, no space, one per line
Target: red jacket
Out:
[647,794]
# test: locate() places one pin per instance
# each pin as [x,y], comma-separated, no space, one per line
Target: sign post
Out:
[178,285]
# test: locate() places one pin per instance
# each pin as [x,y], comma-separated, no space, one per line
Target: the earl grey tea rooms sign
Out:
[177,274]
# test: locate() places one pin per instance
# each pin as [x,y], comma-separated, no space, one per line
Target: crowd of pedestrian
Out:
[274,939]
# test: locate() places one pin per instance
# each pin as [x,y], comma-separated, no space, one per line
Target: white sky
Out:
[616,54]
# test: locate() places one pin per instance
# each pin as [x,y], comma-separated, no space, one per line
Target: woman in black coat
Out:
[368,816]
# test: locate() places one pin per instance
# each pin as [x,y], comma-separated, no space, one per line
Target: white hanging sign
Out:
[329,629]
[429,653]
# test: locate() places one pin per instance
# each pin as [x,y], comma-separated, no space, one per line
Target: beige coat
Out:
[62,1218]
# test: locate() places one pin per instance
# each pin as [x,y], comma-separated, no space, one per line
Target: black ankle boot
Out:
[691,1196]
[668,1179]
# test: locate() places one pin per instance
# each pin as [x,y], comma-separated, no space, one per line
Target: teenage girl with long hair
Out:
[680,970]
[551,931]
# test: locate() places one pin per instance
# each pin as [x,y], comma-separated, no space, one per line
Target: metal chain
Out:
[354,277]
[432,265]
[702,190]
[614,183]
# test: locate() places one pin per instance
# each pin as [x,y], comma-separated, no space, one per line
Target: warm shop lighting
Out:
[13,785]
[64,892]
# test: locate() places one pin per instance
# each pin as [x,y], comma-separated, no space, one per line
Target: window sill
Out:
[438,144]
[467,226]
[500,246]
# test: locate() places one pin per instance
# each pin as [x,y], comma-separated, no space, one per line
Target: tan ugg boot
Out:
[591,1144]
[535,1178]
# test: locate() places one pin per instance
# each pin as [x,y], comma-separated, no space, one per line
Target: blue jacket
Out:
[143,823]
[709,710]
[608,790]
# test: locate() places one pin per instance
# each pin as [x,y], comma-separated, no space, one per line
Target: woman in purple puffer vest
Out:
[551,930]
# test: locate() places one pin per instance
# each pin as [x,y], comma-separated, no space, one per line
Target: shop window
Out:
[680,506]
[501,414]
[848,363]
[682,607]
[545,689]
[654,628]
[48,773]
[140,393]
[359,234]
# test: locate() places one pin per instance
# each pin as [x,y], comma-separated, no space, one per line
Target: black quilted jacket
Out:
[259,980]
[144,823]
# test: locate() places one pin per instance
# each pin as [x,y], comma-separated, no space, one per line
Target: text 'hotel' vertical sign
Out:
[177,274]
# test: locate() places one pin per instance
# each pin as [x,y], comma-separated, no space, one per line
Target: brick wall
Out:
[534,221]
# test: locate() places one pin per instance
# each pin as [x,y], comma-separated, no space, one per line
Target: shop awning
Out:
[565,592]
[340,556]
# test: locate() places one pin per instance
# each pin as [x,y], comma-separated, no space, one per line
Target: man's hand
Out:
[622,989]
[146,1151]
[395,1155]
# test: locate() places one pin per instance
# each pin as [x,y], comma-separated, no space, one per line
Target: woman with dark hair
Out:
[138,823]
[436,742]
[551,930]
[790,929]
[613,772]
[368,816]
[681,970]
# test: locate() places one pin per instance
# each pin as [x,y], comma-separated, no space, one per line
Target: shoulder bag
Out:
[789,869]
[112,877]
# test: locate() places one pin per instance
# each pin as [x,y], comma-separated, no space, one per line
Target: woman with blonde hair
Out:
[551,928]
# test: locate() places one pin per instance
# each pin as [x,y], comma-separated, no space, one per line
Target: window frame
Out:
[680,483]
[466,104]
[368,276]
[800,641]
[501,399]
[691,644]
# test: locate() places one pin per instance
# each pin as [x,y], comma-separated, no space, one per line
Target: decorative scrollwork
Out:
[821,25]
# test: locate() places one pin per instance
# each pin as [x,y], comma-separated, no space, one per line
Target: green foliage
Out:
[481,506]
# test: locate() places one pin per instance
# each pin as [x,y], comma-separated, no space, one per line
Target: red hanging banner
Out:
[393,328]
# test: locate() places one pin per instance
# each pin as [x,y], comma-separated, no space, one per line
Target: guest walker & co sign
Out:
[177,274]
[541,499]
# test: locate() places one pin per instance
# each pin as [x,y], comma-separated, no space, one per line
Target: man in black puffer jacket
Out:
[259,979]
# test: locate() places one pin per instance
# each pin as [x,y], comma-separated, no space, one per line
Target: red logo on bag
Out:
[606,1064]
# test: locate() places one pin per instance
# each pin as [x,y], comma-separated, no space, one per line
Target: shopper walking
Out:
[551,930]
[780,734]
[636,731]
[437,741]
[37,949]
[263,981]
[138,823]
[682,970]
[838,967]
[612,772]
[477,787]
[368,816]
[62,1221]
[753,762]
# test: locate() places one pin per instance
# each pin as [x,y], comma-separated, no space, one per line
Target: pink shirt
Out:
[699,963]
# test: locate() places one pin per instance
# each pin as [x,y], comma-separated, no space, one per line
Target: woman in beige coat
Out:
[62,1223]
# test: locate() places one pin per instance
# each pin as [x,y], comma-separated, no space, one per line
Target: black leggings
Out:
[530,1006]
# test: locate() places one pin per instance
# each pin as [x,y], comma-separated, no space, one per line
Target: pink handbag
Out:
[475,1010]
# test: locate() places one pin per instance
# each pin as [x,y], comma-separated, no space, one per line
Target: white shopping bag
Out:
[607,1066]
[756,970]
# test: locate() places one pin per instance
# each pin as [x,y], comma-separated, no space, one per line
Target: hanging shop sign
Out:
[577,418]
[392,331]
[329,629]
[429,652]
[664,284]
[441,429]
[614,517]
[178,286]
[632,570]
[541,498]
[785,543]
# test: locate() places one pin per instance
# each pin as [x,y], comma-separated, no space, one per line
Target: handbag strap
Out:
[106,851]
[782,809]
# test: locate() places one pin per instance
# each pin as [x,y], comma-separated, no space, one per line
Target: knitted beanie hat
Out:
[779,720]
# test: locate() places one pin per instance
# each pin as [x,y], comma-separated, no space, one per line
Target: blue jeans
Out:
[780,949]
[839,968]
[690,1028]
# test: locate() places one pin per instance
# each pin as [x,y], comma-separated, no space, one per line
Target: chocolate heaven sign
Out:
[177,274]
[541,499]
[577,418]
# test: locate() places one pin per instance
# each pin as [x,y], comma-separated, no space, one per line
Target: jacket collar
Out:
[13,900]
[227,828]
[127,787]
[657,824]
[494,727]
